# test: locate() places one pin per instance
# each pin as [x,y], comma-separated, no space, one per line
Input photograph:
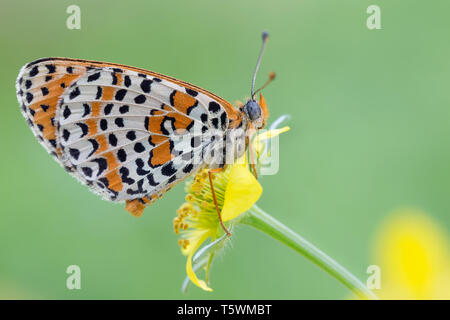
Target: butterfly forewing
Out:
[127,133]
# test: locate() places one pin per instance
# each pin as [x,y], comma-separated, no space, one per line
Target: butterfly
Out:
[130,134]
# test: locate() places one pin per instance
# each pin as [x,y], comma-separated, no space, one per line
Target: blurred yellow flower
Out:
[413,254]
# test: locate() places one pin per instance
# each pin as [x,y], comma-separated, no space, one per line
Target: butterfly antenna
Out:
[272,76]
[265,36]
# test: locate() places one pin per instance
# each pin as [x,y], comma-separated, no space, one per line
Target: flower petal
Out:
[260,140]
[272,133]
[242,191]
[190,271]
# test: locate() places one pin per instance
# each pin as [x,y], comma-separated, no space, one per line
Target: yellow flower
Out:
[259,141]
[236,191]
[413,254]
[242,191]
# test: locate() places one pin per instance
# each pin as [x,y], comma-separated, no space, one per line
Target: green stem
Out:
[262,221]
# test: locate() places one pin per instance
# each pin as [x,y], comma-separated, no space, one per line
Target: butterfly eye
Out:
[252,110]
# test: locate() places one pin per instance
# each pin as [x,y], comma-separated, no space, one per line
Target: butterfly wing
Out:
[128,133]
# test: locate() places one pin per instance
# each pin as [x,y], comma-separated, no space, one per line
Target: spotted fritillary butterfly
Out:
[129,134]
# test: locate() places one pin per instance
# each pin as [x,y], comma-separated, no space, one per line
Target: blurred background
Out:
[368,151]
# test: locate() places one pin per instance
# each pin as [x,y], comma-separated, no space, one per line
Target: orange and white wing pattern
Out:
[121,130]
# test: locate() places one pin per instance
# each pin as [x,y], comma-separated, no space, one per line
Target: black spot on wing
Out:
[120,94]
[87,109]
[188,110]
[99,93]
[75,153]
[215,123]
[171,122]
[124,172]
[145,85]
[171,98]
[66,112]
[112,139]
[103,124]
[140,99]
[191,92]
[114,79]
[102,165]
[223,120]
[139,147]
[124,109]
[151,180]
[52,142]
[122,155]
[29,97]
[168,169]
[213,107]
[188,168]
[87,171]
[84,128]
[140,167]
[34,71]
[127,81]
[119,122]
[196,141]
[66,134]
[108,108]
[74,93]
[139,189]
[51,68]
[95,146]
[131,135]
[190,125]
[93,77]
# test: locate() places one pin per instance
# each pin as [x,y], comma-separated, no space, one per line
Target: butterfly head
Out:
[256,112]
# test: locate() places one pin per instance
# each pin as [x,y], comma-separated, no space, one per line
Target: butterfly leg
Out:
[210,175]
[252,159]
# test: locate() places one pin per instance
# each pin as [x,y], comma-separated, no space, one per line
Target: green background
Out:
[370,132]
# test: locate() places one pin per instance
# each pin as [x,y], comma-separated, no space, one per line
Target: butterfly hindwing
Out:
[125,132]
